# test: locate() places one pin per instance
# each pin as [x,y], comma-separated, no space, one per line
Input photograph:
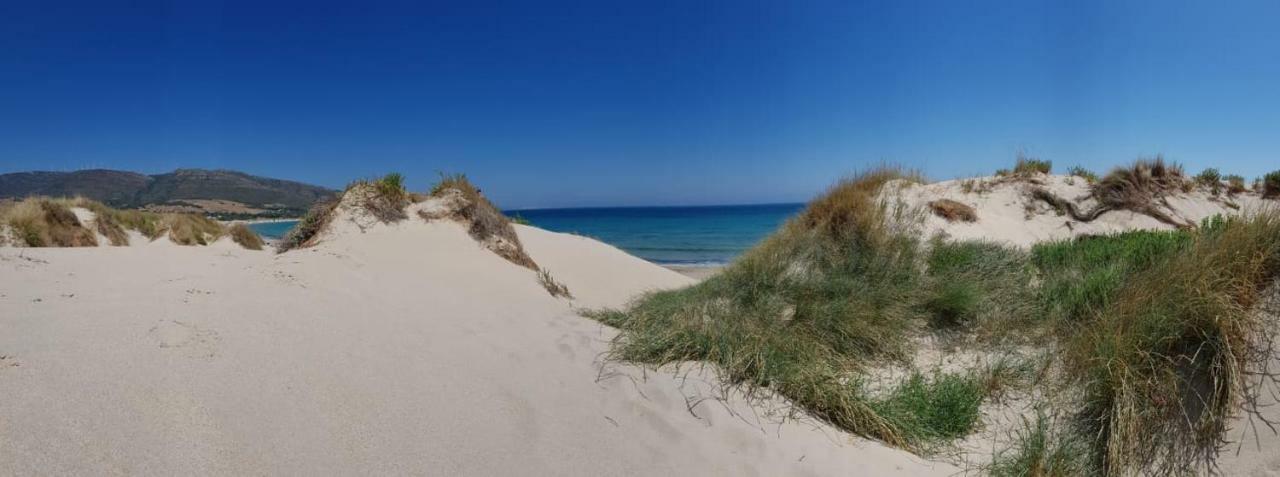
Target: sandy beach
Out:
[385,349]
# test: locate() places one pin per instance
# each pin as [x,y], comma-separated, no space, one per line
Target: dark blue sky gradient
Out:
[635,103]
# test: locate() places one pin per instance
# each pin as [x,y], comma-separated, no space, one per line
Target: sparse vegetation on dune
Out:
[245,236]
[1271,185]
[193,229]
[308,229]
[41,222]
[486,224]
[1088,175]
[1137,328]
[1030,165]
[953,211]
[1235,184]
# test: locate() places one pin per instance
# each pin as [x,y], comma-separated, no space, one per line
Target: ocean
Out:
[707,235]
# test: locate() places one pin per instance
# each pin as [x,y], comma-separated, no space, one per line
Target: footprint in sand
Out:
[193,341]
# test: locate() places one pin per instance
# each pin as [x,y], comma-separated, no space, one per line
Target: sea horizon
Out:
[679,235]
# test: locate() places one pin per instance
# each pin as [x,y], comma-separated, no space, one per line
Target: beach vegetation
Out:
[307,231]
[1040,449]
[555,288]
[1079,171]
[193,229]
[245,236]
[1211,179]
[953,211]
[1026,166]
[1235,184]
[485,222]
[1146,333]
[42,222]
[1271,185]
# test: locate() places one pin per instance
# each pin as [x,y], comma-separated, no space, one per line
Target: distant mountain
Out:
[217,192]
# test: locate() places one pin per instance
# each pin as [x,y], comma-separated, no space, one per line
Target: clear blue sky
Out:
[635,103]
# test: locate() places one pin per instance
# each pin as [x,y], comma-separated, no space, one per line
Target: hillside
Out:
[216,192]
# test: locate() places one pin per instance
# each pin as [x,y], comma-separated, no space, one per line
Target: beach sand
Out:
[401,349]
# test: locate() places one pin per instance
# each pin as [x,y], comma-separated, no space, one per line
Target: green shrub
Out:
[1271,185]
[1210,178]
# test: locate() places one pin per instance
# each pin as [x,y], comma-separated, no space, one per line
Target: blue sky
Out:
[635,103]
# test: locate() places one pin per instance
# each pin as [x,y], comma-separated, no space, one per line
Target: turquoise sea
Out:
[709,235]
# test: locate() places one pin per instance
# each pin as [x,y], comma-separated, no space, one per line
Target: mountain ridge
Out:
[219,192]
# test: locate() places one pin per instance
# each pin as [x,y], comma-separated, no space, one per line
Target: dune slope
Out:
[385,349]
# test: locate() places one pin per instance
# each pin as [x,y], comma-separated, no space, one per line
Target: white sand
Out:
[1004,215]
[405,349]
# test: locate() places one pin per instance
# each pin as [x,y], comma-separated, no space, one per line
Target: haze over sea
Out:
[703,235]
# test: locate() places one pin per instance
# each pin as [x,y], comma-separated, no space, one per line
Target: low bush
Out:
[1235,184]
[1210,178]
[1271,185]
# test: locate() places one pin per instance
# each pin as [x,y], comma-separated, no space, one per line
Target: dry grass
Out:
[1178,350]
[41,222]
[192,229]
[1141,187]
[850,209]
[245,236]
[486,224]
[385,198]
[1235,184]
[556,289]
[953,211]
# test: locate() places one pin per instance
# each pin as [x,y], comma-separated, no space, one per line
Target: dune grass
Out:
[1041,450]
[1235,184]
[245,236]
[307,230]
[49,222]
[1171,353]
[1029,165]
[834,291]
[1137,323]
[42,222]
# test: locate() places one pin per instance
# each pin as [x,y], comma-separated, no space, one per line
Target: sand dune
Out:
[385,349]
